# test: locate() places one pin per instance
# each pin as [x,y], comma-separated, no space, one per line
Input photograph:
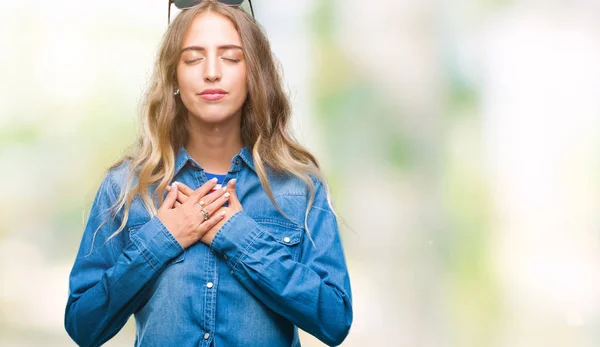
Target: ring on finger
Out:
[205,214]
[201,204]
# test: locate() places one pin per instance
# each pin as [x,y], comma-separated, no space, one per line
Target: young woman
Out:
[244,249]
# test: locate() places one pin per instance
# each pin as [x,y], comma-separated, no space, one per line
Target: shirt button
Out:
[225,256]
[209,285]
[286,239]
[237,162]
[206,336]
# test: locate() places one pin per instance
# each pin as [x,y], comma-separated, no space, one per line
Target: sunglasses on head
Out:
[183,4]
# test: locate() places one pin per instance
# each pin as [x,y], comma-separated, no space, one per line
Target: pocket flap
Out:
[283,231]
[289,237]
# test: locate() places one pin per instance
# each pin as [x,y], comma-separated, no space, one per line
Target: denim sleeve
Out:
[314,292]
[110,279]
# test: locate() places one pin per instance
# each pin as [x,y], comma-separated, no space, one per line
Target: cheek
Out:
[240,80]
[185,78]
[239,84]
[183,81]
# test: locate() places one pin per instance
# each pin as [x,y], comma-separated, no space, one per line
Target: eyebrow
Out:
[199,48]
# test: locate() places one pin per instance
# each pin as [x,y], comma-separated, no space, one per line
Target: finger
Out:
[233,199]
[210,198]
[212,221]
[185,189]
[218,202]
[177,204]
[184,192]
[202,191]
[170,199]
[181,197]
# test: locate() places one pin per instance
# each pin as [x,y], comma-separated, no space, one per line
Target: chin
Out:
[213,116]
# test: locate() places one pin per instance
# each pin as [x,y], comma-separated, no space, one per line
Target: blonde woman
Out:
[244,249]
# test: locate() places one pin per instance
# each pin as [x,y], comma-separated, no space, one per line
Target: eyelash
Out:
[233,60]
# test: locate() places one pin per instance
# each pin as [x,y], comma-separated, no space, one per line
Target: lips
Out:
[213,94]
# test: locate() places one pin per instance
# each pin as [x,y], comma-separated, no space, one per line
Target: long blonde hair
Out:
[264,125]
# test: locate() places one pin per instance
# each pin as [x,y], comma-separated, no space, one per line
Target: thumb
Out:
[171,197]
[233,199]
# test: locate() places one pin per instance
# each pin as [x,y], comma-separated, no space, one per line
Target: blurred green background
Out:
[461,140]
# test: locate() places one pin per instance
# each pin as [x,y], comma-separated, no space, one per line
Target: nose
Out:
[212,71]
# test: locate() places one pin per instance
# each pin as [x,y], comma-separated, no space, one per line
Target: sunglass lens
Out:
[181,4]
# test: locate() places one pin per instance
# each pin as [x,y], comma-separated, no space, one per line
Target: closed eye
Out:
[231,59]
[191,61]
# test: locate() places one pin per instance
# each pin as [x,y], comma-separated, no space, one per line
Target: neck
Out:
[214,145]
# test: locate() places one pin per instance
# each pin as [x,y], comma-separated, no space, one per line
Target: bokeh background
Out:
[461,140]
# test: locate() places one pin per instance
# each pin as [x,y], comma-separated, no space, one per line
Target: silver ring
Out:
[205,214]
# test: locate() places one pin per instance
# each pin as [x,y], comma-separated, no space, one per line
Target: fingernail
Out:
[214,179]
[232,181]
[223,213]
[226,195]
[174,185]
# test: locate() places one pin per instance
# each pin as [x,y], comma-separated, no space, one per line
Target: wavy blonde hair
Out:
[264,124]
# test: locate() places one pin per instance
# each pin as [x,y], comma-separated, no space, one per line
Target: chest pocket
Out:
[284,232]
[132,230]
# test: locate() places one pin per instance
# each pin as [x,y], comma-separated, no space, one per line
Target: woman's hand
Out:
[185,193]
[192,219]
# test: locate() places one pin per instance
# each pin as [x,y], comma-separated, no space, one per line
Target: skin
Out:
[211,58]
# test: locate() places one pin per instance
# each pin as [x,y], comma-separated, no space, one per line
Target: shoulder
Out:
[116,184]
[117,176]
[290,184]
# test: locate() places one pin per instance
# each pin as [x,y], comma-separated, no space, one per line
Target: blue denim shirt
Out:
[259,280]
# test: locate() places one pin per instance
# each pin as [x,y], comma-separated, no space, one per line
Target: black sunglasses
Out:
[183,4]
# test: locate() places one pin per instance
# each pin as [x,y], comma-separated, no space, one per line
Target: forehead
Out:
[211,29]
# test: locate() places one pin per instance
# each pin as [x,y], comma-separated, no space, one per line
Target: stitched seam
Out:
[113,184]
[283,195]
[240,253]
[219,234]
[174,242]
[150,258]
[281,223]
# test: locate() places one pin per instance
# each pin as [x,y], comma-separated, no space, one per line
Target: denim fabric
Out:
[260,279]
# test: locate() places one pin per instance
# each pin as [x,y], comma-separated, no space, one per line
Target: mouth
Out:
[213,94]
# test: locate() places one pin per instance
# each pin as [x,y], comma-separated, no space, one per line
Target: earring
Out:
[176,92]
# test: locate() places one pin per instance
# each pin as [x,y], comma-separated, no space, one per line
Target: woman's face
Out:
[211,72]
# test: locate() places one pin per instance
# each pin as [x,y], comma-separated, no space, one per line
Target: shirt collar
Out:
[183,158]
[246,156]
